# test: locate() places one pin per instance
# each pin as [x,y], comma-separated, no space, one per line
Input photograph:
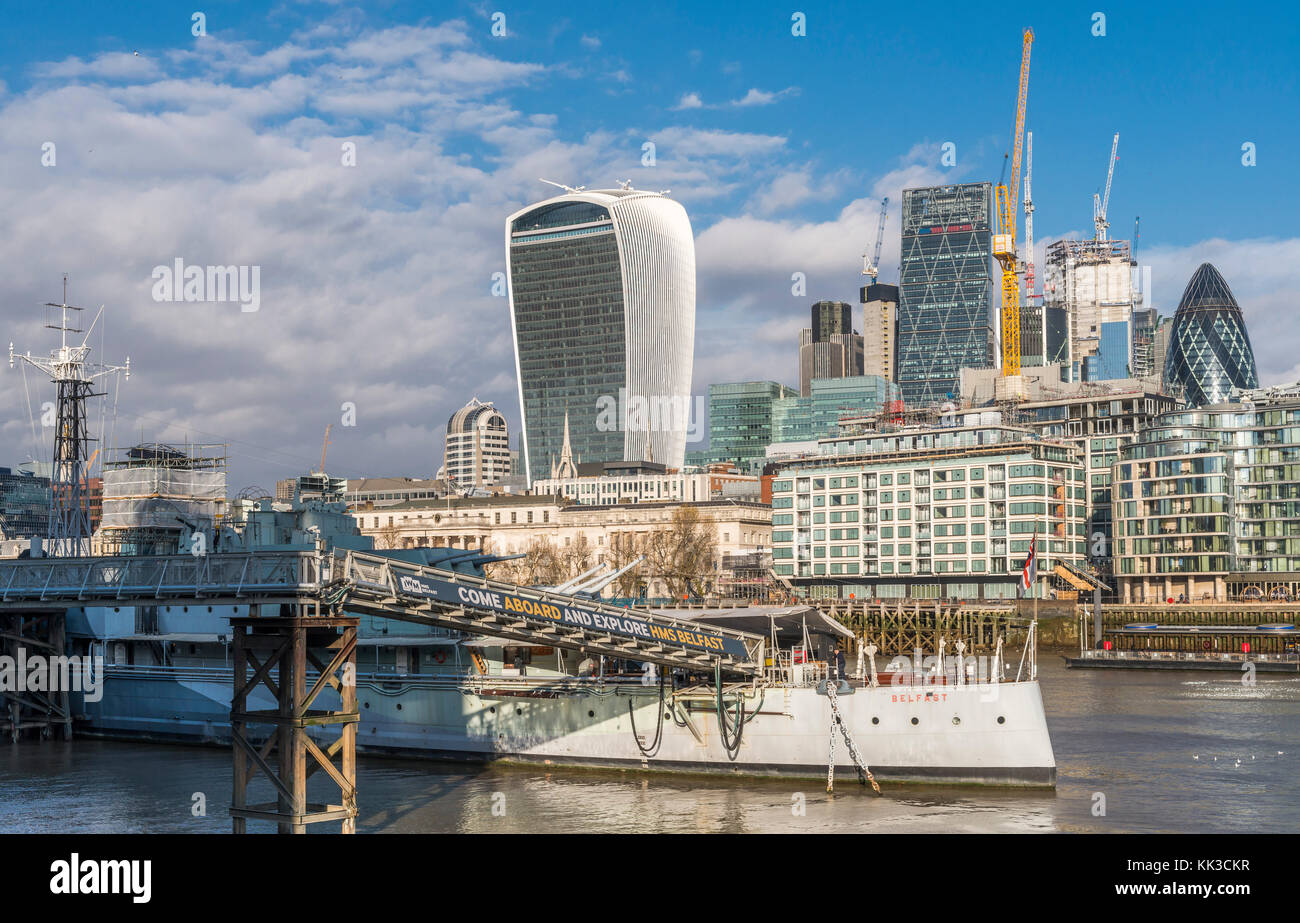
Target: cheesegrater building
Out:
[602,308]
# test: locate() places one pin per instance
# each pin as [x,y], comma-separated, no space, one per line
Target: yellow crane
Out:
[1004,237]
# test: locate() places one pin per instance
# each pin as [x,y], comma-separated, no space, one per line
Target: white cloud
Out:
[689,101]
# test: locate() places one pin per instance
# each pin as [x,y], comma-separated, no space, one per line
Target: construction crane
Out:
[1136,221]
[1099,204]
[1004,237]
[872,267]
[325,444]
[1029,217]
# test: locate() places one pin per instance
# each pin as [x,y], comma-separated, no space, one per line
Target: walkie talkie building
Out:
[602,307]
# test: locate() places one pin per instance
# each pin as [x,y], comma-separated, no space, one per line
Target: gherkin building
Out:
[1209,350]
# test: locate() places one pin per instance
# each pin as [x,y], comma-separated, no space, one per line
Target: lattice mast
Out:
[1004,238]
[1100,205]
[1029,217]
[74,377]
[872,267]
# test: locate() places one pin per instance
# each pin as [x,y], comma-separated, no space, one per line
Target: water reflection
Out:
[1168,751]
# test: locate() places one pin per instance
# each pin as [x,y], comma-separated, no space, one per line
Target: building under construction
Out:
[1088,285]
[157,497]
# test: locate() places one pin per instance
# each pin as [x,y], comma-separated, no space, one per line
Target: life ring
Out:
[440,656]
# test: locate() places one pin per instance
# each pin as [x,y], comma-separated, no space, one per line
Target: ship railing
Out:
[148,577]
[1201,656]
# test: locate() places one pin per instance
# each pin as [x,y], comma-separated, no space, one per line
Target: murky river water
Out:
[1170,752]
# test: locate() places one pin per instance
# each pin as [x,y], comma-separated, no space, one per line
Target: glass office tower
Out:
[1209,351]
[602,307]
[946,289]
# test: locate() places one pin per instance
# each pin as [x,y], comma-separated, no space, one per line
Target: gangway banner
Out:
[543,612]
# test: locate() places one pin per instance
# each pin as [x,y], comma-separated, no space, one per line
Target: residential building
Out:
[1206,502]
[945,307]
[477,448]
[939,512]
[602,307]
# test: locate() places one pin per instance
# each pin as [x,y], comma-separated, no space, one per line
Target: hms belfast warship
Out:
[755,696]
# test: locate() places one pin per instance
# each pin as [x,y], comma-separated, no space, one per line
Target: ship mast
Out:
[73,377]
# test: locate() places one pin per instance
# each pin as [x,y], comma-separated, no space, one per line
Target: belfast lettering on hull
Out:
[576,616]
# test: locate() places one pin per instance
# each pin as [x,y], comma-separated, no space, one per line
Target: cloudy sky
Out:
[127,142]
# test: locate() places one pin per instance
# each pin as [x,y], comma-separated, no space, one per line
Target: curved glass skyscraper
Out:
[602,307]
[1209,350]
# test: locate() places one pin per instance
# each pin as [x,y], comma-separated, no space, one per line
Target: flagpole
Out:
[1033,662]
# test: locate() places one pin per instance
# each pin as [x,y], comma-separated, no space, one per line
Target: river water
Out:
[1167,751]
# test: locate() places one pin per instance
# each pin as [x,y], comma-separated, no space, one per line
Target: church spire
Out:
[567,468]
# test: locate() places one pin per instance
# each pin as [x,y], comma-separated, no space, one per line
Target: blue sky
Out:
[376,280]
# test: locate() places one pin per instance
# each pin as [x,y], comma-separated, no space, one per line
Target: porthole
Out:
[916,720]
[399,706]
[875,720]
[956,720]
[492,709]
[668,714]
[365,704]
[591,714]
[519,711]
[1002,719]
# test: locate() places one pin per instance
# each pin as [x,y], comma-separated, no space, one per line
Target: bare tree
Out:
[624,548]
[540,565]
[682,554]
[576,557]
[386,537]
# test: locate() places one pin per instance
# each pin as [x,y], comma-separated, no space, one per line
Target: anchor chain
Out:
[864,771]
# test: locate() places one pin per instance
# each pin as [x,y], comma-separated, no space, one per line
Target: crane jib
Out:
[546,612]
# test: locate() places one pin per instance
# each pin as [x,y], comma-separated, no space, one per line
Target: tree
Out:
[386,537]
[682,554]
[624,548]
[540,565]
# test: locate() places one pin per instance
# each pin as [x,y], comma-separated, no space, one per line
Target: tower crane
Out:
[1029,218]
[1004,237]
[872,267]
[1099,204]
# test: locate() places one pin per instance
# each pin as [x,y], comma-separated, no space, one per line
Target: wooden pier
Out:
[907,625]
[287,645]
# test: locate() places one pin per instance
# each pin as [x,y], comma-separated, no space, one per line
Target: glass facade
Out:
[946,289]
[602,301]
[1203,493]
[740,420]
[24,505]
[1209,351]
[799,419]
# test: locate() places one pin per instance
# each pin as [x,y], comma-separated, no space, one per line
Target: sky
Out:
[127,142]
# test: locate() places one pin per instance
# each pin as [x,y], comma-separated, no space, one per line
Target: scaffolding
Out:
[156,496]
